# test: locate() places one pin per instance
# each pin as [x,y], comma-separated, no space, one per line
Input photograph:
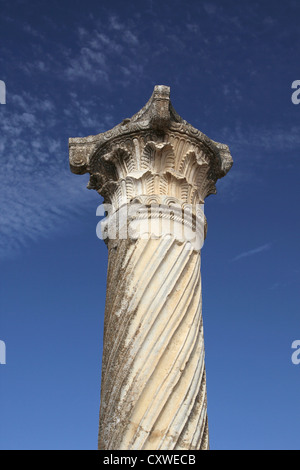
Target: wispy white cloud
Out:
[287,279]
[35,66]
[105,50]
[210,8]
[252,252]
[32,31]
[264,138]
[130,38]
[86,113]
[38,192]
[115,23]
[90,64]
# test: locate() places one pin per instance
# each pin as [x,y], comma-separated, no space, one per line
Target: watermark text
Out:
[296,94]
[185,223]
[2,92]
[2,352]
[296,353]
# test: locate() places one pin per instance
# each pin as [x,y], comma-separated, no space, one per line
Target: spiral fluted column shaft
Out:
[153,375]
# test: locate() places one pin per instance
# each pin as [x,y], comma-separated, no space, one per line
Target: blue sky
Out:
[76,68]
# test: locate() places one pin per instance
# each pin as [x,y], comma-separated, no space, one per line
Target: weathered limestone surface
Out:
[153,389]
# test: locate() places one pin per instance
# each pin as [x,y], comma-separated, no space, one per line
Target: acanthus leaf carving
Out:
[154,152]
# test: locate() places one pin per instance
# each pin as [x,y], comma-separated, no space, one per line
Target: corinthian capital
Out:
[153,157]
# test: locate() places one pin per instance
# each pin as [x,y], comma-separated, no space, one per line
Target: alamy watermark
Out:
[296,94]
[2,92]
[153,221]
[2,352]
[296,354]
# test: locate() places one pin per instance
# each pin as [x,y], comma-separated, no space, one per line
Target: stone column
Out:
[154,172]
